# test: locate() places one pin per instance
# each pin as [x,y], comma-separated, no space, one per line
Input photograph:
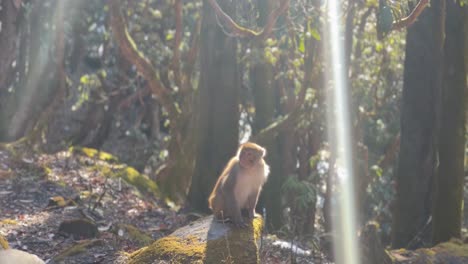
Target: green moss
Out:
[93,153]
[144,184]
[79,248]
[135,235]
[140,181]
[257,228]
[237,246]
[4,243]
[454,247]
[8,222]
[176,249]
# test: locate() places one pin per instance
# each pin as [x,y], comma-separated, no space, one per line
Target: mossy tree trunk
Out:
[217,124]
[419,126]
[448,198]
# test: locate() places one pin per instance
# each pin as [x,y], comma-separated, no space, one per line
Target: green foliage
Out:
[303,193]
[385,19]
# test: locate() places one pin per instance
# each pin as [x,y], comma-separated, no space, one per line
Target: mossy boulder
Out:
[454,252]
[132,233]
[205,241]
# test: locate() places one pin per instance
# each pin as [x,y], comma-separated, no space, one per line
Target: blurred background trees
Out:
[171,87]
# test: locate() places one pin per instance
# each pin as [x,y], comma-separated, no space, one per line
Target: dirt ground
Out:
[30,220]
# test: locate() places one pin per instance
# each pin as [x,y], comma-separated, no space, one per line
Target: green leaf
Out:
[378,46]
[156,13]
[378,171]
[385,19]
[301,47]
[84,79]
[170,35]
[314,33]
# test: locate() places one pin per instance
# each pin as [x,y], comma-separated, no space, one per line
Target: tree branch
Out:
[175,65]
[407,21]
[130,52]
[281,124]
[243,32]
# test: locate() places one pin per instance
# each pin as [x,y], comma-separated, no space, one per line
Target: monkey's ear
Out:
[264,153]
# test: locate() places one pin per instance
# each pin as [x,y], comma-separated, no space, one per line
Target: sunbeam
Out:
[344,216]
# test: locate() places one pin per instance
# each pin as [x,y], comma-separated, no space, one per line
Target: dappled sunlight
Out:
[35,71]
[344,210]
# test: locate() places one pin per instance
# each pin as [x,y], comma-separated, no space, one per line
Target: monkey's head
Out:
[250,154]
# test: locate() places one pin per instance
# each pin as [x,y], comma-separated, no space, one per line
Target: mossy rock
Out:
[77,249]
[93,153]
[454,252]
[134,234]
[205,241]
[140,181]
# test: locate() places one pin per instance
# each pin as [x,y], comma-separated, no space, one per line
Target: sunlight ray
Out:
[344,215]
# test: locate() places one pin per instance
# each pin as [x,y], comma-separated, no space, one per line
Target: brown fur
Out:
[239,185]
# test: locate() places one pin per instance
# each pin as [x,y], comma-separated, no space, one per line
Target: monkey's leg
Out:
[234,211]
[231,205]
[252,203]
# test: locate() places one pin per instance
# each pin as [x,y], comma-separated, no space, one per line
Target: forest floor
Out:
[39,192]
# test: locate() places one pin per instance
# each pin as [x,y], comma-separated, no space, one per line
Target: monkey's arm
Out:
[231,205]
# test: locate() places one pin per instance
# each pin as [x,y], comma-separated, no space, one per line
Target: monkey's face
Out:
[249,157]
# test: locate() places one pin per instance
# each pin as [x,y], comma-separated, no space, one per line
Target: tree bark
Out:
[448,198]
[217,123]
[31,95]
[419,125]
[8,39]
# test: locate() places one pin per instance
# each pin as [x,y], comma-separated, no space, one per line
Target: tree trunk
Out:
[267,107]
[218,105]
[8,39]
[31,95]
[448,198]
[419,123]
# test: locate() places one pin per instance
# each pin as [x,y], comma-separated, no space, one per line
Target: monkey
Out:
[239,185]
